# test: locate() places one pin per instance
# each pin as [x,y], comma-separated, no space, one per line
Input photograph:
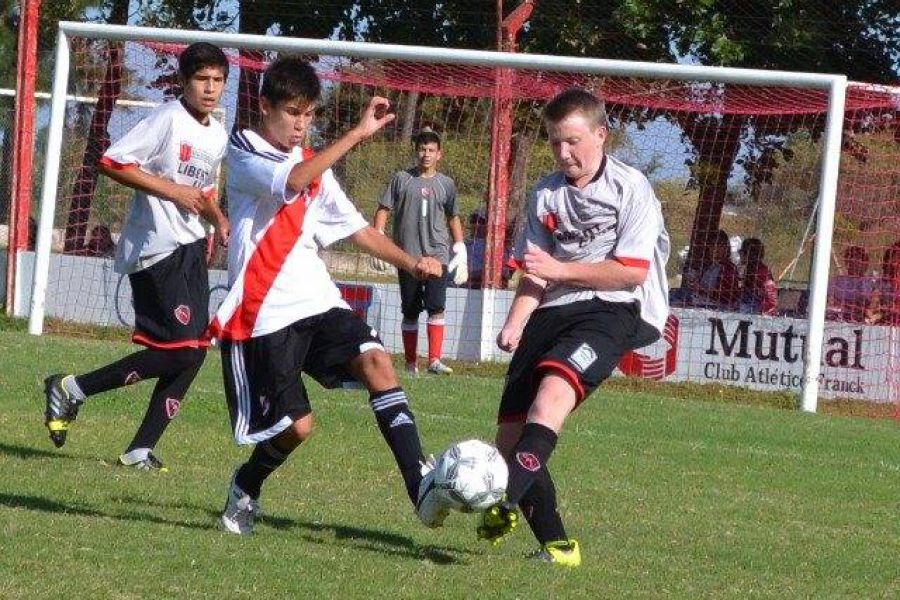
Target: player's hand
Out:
[509,337]
[188,198]
[542,265]
[428,267]
[375,116]
[459,264]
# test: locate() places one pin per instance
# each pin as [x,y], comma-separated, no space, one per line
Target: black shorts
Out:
[582,342]
[416,295]
[171,300]
[262,375]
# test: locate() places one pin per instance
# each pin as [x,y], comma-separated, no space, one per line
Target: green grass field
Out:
[669,498]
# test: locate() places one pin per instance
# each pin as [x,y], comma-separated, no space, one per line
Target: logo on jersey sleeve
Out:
[183,314]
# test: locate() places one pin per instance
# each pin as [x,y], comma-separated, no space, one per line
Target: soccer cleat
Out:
[438,368]
[60,410]
[566,553]
[412,368]
[496,522]
[149,463]
[430,507]
[240,511]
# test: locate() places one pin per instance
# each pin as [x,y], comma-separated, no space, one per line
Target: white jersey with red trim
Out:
[169,143]
[616,216]
[274,271]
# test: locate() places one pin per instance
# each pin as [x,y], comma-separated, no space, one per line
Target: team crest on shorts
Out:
[185,152]
[132,378]
[528,461]
[183,314]
[583,357]
[173,405]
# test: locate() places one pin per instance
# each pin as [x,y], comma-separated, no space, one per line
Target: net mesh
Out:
[735,167]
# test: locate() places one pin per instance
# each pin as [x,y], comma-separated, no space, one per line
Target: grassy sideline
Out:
[670,496]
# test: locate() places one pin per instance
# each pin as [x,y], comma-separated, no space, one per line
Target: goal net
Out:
[747,165]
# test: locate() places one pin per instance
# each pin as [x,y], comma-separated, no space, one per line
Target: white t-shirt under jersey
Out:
[274,271]
[172,144]
[615,216]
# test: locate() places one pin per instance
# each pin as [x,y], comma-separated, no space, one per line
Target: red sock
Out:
[435,340]
[410,340]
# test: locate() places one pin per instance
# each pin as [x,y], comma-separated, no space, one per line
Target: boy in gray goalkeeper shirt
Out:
[593,251]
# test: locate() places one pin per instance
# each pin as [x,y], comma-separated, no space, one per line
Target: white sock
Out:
[71,384]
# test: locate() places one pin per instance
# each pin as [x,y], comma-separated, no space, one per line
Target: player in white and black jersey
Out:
[283,315]
[170,159]
[593,250]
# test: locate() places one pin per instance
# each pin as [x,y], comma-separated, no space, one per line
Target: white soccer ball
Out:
[471,475]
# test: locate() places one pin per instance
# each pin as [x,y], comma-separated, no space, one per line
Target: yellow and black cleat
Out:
[60,410]
[565,553]
[497,522]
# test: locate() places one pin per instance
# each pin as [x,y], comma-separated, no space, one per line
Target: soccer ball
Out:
[471,475]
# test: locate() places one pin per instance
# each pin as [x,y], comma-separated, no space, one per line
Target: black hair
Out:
[290,78]
[427,136]
[576,100]
[201,55]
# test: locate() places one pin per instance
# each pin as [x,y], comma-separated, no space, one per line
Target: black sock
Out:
[539,508]
[528,458]
[263,461]
[165,402]
[145,364]
[398,427]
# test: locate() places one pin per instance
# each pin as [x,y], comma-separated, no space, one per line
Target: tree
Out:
[858,37]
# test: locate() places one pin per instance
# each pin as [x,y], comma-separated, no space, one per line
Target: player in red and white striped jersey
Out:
[283,315]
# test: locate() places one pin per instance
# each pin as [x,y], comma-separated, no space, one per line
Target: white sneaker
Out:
[412,368]
[430,508]
[240,511]
[439,368]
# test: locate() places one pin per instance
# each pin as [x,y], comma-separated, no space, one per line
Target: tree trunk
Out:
[717,145]
[251,21]
[82,195]
[409,116]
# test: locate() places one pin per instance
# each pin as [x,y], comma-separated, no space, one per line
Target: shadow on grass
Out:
[28,453]
[368,539]
[37,503]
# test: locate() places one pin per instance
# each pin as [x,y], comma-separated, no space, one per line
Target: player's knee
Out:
[375,362]
[302,429]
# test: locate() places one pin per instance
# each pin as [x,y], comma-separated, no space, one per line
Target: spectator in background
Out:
[849,294]
[758,292]
[719,284]
[884,308]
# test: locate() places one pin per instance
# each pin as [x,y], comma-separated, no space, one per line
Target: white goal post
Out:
[834,85]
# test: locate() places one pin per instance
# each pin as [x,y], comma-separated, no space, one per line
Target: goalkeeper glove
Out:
[459,264]
[378,264]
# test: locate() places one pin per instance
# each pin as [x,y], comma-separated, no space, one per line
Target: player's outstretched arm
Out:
[185,197]
[379,245]
[374,117]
